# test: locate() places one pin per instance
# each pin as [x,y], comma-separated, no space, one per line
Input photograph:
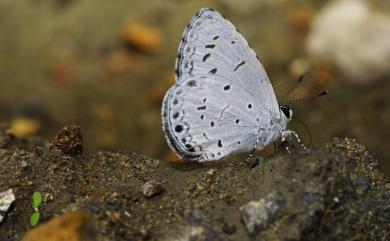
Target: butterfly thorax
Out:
[276,126]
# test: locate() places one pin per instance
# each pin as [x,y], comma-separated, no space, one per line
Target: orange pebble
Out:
[143,37]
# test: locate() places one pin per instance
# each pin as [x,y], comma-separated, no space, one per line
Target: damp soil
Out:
[334,191]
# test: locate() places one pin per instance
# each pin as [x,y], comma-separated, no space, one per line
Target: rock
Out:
[259,215]
[151,188]
[6,200]
[354,37]
[69,226]
[69,140]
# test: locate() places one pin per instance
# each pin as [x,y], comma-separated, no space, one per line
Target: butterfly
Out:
[222,102]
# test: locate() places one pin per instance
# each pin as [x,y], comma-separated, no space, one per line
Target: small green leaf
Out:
[34,219]
[37,199]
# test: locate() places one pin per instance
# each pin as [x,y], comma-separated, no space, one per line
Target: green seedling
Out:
[37,199]
[36,202]
[34,219]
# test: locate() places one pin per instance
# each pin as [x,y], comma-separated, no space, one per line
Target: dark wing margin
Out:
[183,41]
[172,140]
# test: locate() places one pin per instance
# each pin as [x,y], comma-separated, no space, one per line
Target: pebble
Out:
[151,188]
[259,215]
[6,199]
[69,140]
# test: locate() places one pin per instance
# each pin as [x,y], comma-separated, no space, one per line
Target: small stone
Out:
[24,164]
[252,161]
[69,140]
[259,215]
[6,199]
[70,226]
[48,198]
[151,188]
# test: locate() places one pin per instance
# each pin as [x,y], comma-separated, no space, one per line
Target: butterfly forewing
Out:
[211,45]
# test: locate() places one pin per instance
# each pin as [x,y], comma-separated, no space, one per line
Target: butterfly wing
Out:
[208,117]
[211,45]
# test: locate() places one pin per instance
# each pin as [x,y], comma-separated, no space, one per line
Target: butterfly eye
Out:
[286,111]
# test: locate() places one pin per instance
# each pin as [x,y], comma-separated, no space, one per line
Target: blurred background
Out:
[106,65]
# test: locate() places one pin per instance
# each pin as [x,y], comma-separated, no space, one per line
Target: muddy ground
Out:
[332,192]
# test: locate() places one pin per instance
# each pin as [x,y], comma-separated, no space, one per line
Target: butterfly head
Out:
[286,112]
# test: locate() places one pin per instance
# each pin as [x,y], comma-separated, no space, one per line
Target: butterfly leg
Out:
[289,134]
[254,149]
[251,160]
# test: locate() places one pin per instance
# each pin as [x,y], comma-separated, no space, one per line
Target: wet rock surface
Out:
[259,215]
[332,192]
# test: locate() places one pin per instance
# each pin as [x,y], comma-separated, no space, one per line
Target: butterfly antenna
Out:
[293,88]
[307,129]
[308,98]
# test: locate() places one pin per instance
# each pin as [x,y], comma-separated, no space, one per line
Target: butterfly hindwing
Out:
[207,118]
